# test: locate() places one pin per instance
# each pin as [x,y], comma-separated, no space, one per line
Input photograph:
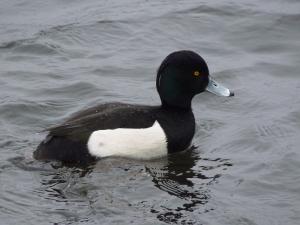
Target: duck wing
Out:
[102,117]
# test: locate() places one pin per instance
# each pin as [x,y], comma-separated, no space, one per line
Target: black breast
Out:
[179,126]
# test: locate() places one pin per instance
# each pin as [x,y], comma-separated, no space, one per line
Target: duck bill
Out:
[218,89]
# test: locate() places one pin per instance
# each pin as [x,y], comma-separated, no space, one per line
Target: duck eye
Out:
[196,73]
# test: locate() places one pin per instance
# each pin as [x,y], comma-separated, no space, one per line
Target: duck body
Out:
[118,129]
[136,131]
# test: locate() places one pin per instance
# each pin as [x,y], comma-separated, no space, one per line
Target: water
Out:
[58,57]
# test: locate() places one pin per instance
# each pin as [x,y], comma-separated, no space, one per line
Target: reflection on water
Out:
[181,179]
[177,175]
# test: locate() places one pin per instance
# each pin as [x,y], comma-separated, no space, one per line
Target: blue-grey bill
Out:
[218,89]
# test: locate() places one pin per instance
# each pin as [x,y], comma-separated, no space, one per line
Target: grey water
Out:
[58,57]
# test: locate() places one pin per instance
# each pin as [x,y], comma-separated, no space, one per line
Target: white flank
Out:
[146,143]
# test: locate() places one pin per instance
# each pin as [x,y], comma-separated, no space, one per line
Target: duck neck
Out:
[178,106]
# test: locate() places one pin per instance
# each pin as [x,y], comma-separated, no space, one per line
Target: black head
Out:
[180,77]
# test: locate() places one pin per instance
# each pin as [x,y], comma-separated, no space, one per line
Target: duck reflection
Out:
[184,176]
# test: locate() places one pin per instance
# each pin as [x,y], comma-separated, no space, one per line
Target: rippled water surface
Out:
[57,57]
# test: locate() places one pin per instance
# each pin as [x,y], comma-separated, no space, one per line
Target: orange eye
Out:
[196,73]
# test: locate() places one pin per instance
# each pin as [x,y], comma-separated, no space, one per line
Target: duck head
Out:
[181,76]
